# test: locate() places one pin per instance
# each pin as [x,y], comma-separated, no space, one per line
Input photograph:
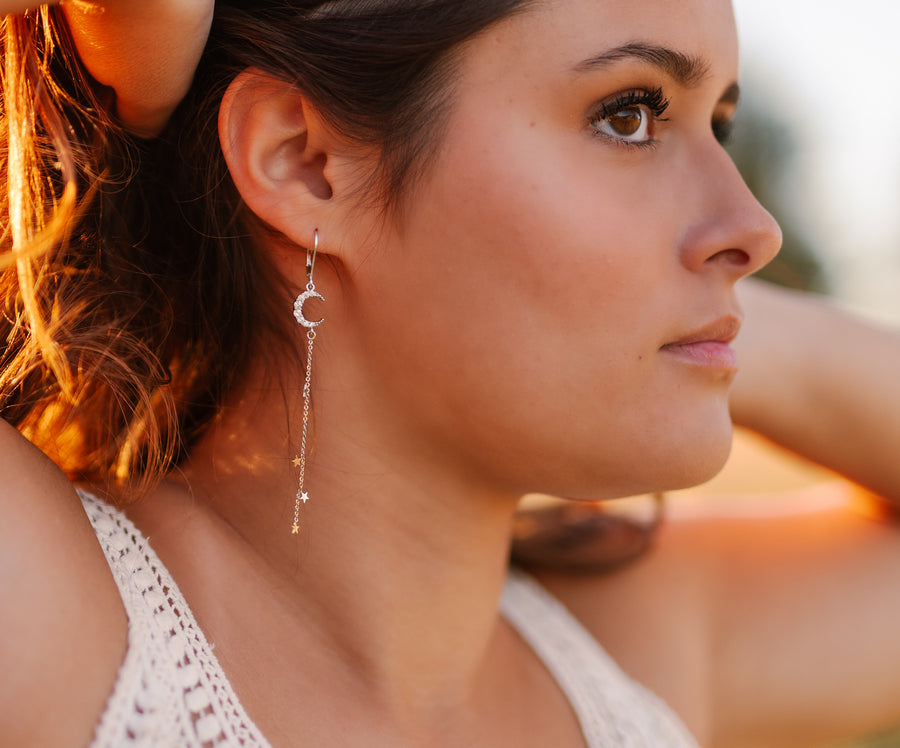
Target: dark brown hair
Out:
[132,296]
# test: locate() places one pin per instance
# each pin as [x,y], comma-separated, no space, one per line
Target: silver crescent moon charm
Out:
[298,308]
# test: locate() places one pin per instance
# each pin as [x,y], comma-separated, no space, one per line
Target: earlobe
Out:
[276,149]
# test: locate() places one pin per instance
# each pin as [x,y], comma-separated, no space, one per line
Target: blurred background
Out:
[818,140]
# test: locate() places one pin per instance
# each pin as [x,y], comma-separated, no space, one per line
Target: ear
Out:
[280,154]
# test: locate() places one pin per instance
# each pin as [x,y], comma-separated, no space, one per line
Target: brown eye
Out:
[627,122]
[629,118]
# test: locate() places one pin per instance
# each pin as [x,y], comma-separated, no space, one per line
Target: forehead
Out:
[560,35]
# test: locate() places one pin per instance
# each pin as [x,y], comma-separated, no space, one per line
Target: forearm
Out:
[146,51]
[821,383]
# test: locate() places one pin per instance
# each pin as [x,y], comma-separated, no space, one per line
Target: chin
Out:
[668,451]
[698,457]
[689,460]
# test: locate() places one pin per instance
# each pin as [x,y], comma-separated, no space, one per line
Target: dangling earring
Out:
[309,293]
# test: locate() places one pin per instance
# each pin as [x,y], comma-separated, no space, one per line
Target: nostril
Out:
[734,257]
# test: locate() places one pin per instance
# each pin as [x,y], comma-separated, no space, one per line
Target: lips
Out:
[708,346]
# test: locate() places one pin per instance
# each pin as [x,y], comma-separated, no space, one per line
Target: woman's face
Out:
[552,310]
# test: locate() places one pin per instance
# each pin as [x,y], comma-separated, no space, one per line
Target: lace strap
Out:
[613,710]
[171,689]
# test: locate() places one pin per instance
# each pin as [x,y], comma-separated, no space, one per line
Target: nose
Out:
[732,234]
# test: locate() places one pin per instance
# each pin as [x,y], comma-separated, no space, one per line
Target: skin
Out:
[452,421]
[505,333]
[527,270]
[131,47]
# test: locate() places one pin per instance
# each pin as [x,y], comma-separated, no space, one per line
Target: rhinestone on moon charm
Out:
[309,293]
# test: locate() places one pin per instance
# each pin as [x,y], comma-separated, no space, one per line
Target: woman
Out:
[522,233]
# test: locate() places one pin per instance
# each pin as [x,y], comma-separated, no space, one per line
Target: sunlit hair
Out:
[133,297]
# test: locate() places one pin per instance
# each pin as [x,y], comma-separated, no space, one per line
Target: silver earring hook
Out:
[311,257]
[310,292]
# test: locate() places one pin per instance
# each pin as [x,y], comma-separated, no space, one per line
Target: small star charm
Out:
[295,530]
[304,497]
[296,462]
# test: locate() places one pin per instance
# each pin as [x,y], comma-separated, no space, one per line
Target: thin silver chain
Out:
[301,494]
[310,325]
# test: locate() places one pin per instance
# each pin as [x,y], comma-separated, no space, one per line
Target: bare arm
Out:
[770,632]
[821,383]
[145,50]
[804,608]
[805,645]
[63,623]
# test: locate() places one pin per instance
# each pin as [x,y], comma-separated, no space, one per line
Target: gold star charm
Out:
[295,530]
[297,462]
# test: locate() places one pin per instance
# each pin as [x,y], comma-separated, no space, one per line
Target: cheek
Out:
[520,313]
[541,257]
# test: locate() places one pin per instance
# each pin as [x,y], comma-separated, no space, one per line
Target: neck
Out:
[399,562]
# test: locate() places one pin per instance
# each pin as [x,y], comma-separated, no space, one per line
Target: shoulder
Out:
[746,622]
[652,617]
[64,626]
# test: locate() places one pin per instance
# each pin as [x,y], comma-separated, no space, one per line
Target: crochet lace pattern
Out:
[172,692]
[613,709]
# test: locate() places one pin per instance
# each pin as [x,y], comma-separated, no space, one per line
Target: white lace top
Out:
[171,691]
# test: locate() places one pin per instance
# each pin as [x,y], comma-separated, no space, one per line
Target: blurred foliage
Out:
[762,148]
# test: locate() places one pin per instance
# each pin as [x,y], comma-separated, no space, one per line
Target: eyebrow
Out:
[685,69]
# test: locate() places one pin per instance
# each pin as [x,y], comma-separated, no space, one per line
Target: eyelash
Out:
[656,104]
[652,99]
